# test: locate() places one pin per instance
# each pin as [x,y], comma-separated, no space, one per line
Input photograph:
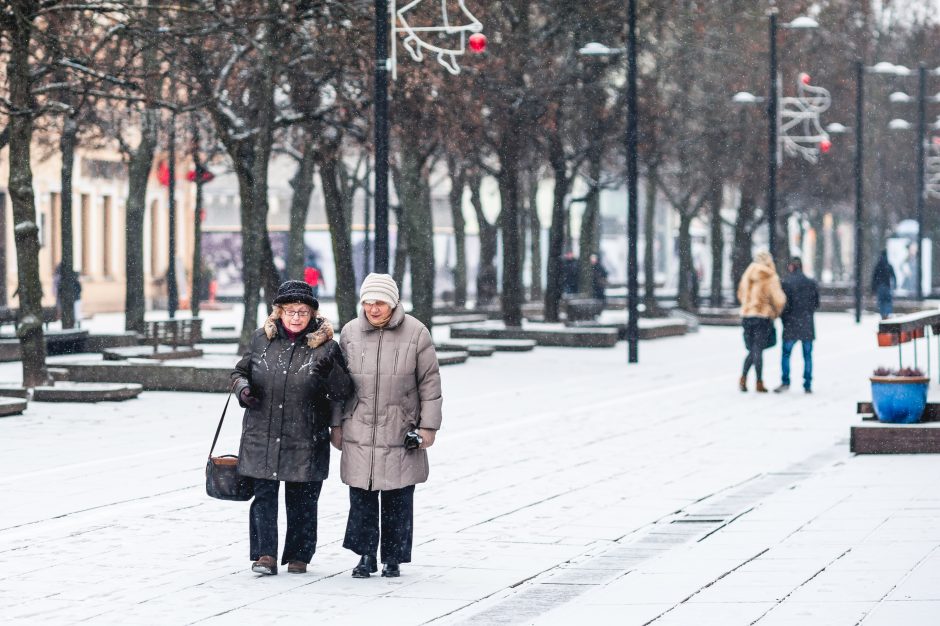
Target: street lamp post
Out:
[633,288]
[921,138]
[772,123]
[172,288]
[380,237]
[859,184]
[631,141]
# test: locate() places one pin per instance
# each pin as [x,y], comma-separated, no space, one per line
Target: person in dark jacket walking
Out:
[798,324]
[598,279]
[569,273]
[883,281]
[387,427]
[292,381]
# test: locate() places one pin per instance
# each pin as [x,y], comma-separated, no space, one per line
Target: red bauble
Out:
[825,145]
[804,78]
[477,42]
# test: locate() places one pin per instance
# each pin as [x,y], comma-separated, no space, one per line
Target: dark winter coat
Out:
[598,281]
[802,301]
[883,276]
[298,386]
[398,388]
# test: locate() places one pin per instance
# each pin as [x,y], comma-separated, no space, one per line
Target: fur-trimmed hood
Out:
[323,330]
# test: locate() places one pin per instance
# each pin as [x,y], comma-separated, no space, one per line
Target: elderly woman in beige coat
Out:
[387,426]
[762,301]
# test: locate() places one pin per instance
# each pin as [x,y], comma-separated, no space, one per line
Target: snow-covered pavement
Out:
[566,487]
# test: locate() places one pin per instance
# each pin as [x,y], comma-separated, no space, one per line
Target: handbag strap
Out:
[221,419]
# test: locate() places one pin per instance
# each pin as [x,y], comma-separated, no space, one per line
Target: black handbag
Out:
[222,478]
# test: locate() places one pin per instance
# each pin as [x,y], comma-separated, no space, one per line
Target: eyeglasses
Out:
[300,314]
[372,302]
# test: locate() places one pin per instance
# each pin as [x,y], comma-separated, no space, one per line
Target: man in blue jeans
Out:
[798,325]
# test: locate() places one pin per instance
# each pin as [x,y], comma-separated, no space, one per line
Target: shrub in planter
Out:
[899,396]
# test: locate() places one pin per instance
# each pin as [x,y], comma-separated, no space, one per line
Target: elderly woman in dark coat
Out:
[291,380]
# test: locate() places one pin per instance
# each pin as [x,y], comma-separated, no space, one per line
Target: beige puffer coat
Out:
[759,291]
[398,388]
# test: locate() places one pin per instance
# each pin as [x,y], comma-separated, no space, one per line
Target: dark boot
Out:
[390,569]
[759,387]
[742,384]
[367,565]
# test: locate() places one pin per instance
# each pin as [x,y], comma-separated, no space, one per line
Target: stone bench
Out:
[11,406]
[498,345]
[555,337]
[87,392]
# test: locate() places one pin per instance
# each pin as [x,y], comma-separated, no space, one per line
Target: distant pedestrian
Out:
[486,284]
[570,273]
[74,285]
[598,279]
[762,300]
[313,277]
[387,427]
[291,381]
[798,323]
[883,281]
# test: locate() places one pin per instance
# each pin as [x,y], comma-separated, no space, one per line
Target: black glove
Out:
[247,399]
[339,385]
[322,368]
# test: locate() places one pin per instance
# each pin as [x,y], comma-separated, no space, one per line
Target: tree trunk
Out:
[717,244]
[588,239]
[251,252]
[686,300]
[414,193]
[67,278]
[198,174]
[535,239]
[139,164]
[346,297]
[649,235]
[487,234]
[26,232]
[302,185]
[457,182]
[401,248]
[741,246]
[508,181]
[556,232]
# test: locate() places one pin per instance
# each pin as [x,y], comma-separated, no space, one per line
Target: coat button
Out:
[274,474]
[277,440]
[280,406]
[285,371]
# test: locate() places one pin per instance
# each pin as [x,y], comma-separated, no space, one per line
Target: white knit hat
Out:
[380,287]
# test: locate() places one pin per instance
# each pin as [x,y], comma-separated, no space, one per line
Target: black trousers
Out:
[301,500]
[397,523]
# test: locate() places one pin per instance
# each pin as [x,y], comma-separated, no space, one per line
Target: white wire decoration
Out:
[932,165]
[456,42]
[800,114]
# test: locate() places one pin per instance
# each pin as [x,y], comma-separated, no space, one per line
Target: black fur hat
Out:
[295,291]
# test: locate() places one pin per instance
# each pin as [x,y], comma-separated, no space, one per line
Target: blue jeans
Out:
[807,362]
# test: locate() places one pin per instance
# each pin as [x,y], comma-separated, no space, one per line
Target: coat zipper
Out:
[375,408]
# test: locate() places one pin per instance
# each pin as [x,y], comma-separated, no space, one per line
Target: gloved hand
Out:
[322,368]
[247,399]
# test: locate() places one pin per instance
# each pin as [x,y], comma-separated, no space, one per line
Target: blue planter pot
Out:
[899,399]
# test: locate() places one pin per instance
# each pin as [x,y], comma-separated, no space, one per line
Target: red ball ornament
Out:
[825,145]
[804,78]
[477,42]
